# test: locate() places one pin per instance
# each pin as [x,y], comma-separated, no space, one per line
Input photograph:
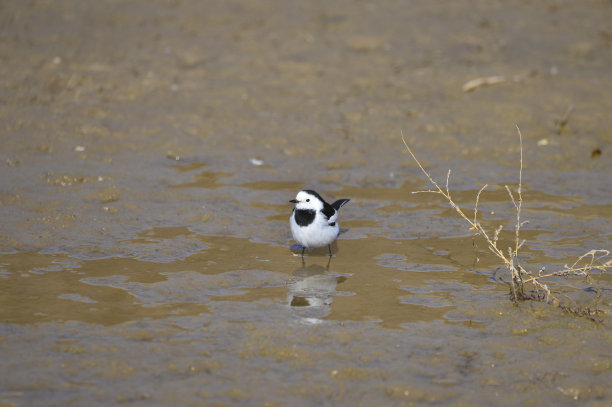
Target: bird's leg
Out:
[303,248]
[329,247]
[328,262]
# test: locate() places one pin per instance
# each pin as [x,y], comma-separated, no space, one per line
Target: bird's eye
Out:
[308,200]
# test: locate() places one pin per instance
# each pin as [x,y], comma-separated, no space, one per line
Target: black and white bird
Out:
[314,222]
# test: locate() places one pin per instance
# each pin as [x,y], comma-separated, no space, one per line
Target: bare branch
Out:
[520,198]
[519,275]
[511,196]
[428,191]
[496,235]
[477,199]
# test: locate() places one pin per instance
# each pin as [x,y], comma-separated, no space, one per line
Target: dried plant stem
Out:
[510,262]
[594,263]
[519,275]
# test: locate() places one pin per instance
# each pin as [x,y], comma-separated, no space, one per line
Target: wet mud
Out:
[149,151]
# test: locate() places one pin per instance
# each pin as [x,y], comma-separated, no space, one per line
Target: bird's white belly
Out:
[317,234]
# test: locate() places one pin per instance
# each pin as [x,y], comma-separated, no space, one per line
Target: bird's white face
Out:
[308,201]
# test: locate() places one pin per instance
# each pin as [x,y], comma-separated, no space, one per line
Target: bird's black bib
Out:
[304,217]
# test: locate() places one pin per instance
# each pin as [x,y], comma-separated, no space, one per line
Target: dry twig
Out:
[521,276]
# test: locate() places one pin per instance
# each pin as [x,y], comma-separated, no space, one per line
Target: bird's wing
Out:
[329,212]
[331,221]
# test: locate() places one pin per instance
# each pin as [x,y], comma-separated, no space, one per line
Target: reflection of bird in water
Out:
[314,222]
[311,290]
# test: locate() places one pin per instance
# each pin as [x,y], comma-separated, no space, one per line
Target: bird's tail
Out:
[339,203]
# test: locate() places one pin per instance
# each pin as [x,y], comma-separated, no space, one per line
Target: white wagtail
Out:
[314,221]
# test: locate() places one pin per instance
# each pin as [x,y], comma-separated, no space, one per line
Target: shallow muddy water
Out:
[149,151]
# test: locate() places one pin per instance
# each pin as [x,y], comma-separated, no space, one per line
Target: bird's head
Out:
[308,199]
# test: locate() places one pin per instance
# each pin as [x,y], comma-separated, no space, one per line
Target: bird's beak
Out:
[294,201]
